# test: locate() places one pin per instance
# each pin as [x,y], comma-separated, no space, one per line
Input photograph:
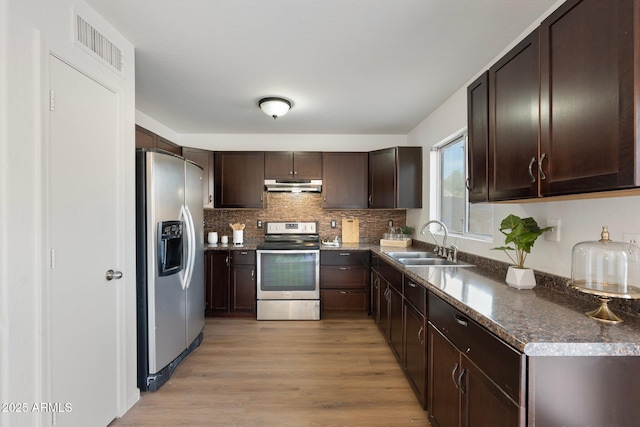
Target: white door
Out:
[86,225]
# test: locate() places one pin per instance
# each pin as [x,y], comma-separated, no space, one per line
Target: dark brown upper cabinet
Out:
[395,178]
[292,165]
[590,97]
[239,179]
[478,138]
[147,139]
[344,180]
[513,122]
[564,106]
[204,159]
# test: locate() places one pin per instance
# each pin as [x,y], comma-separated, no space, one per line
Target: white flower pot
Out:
[521,278]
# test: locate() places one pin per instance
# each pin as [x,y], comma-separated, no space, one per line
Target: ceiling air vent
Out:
[100,46]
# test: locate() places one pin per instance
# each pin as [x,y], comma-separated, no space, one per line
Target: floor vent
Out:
[99,45]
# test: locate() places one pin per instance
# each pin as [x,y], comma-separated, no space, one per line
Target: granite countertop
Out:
[537,322]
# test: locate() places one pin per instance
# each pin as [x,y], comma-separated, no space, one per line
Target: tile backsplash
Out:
[303,207]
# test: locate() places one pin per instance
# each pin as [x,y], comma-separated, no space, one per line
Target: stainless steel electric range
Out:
[288,265]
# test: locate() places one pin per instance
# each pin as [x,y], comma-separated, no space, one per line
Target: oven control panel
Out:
[291,228]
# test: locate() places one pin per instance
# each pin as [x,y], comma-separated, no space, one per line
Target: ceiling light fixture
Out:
[274,106]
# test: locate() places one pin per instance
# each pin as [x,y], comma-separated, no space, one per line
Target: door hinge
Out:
[52,100]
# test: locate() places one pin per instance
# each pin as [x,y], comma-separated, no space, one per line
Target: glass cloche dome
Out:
[607,269]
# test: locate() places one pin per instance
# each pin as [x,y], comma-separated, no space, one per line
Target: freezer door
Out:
[166,298]
[195,303]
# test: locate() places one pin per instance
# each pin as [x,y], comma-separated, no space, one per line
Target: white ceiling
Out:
[349,66]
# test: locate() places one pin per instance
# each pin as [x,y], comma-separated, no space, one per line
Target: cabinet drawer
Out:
[343,299]
[344,258]
[243,257]
[416,295]
[344,276]
[393,276]
[503,364]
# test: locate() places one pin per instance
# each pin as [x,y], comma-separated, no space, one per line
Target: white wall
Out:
[581,219]
[29,29]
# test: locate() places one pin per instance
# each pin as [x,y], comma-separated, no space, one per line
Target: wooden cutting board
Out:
[350,230]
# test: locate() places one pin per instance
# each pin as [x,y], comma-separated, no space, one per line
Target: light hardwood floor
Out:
[332,372]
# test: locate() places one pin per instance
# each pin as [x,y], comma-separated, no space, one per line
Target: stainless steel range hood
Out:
[294,185]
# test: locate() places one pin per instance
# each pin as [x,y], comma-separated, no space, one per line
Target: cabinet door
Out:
[382,178]
[588,101]
[344,180]
[478,133]
[444,369]
[415,355]
[483,403]
[243,288]
[513,118]
[307,165]
[239,179]
[385,289]
[375,296]
[409,176]
[204,159]
[217,286]
[396,325]
[278,165]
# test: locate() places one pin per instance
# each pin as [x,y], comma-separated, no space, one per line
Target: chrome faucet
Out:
[439,250]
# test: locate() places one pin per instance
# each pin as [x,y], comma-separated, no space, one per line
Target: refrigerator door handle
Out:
[192,245]
[184,280]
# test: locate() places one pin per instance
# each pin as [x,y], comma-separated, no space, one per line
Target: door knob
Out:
[111,275]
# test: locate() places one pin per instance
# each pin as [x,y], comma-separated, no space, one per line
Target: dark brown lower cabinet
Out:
[216,282]
[396,325]
[230,283]
[578,391]
[475,379]
[415,353]
[344,281]
[444,393]
[383,307]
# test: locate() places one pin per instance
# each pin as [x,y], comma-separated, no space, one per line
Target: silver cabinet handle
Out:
[462,390]
[453,374]
[345,253]
[467,184]
[461,320]
[420,337]
[345,292]
[413,285]
[533,178]
[542,175]
[113,275]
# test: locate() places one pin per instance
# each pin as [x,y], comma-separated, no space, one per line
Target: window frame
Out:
[436,186]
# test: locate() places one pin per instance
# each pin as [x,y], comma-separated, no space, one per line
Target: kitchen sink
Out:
[424,259]
[406,255]
[432,262]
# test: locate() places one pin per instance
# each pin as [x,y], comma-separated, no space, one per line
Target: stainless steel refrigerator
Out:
[170,263]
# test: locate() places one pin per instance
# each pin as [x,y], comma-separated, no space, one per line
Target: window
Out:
[449,168]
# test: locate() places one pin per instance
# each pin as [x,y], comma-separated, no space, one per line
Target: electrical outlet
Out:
[333,223]
[259,223]
[631,238]
[553,235]
[390,223]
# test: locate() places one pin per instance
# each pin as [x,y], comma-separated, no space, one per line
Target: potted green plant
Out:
[520,235]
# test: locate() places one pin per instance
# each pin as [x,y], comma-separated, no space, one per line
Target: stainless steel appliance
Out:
[170,263]
[288,265]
